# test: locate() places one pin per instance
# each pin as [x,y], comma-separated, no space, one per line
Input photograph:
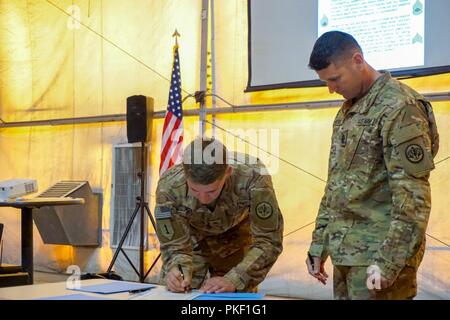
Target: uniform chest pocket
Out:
[351,146]
[239,202]
[338,138]
[363,151]
[243,204]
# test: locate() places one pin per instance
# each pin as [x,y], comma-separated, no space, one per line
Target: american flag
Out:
[172,135]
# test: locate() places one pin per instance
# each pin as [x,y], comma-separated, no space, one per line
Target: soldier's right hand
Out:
[176,282]
[316,268]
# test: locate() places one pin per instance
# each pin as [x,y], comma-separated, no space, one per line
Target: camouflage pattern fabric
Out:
[349,283]
[240,239]
[377,199]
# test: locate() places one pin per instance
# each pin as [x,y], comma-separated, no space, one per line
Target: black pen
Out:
[182,275]
[311,260]
[140,290]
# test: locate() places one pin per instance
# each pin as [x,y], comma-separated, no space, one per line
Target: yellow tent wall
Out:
[51,67]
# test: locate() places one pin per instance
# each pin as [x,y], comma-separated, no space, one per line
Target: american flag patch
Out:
[163,212]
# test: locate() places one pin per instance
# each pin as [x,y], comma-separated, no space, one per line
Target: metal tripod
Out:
[142,207]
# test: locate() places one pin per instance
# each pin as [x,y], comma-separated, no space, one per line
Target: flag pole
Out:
[176,35]
[213,69]
[203,65]
[172,135]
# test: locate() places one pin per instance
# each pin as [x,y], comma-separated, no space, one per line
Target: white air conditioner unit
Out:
[16,187]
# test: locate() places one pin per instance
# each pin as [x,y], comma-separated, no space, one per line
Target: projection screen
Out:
[407,37]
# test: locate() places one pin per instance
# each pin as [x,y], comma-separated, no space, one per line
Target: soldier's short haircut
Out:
[330,47]
[205,160]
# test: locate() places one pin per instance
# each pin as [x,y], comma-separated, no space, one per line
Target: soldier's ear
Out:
[358,60]
[229,171]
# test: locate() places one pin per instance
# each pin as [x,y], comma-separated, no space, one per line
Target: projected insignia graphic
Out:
[417,39]
[324,21]
[417,8]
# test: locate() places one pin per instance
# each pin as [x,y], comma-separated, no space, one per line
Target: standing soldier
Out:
[216,216]
[373,216]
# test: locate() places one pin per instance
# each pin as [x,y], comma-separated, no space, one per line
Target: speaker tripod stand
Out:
[143,209]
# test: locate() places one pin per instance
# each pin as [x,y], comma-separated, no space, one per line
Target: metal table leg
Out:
[27,242]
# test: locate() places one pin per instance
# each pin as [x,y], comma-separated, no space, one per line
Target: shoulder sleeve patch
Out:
[264,208]
[166,228]
[414,153]
[415,157]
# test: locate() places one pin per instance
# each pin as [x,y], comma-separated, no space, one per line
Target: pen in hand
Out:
[182,276]
[311,260]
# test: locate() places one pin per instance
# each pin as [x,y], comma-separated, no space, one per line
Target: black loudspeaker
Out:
[139,118]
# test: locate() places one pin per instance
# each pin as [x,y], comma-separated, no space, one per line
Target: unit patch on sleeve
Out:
[264,210]
[414,153]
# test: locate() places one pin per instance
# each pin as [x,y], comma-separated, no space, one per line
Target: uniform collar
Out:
[363,105]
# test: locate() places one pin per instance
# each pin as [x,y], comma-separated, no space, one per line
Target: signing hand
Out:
[317,269]
[176,283]
[217,284]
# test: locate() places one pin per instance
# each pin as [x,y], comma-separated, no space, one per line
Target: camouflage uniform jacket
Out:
[377,199]
[182,222]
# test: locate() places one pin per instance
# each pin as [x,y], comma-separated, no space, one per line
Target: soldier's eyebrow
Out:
[209,191]
[334,78]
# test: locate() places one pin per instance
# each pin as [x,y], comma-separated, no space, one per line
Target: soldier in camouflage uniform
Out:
[377,199]
[218,222]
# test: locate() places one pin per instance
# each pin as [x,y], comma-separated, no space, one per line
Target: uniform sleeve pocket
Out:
[415,157]
[264,209]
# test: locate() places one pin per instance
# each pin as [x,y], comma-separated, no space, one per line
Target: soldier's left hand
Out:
[385,283]
[375,280]
[217,284]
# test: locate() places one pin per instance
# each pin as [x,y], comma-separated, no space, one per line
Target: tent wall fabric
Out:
[52,66]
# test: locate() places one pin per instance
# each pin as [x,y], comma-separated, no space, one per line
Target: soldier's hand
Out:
[316,268]
[176,282]
[375,280]
[217,284]
[383,284]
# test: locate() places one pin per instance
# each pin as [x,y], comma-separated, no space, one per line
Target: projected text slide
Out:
[390,32]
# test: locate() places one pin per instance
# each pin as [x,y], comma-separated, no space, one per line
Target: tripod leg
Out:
[150,215]
[122,240]
[153,264]
[154,226]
